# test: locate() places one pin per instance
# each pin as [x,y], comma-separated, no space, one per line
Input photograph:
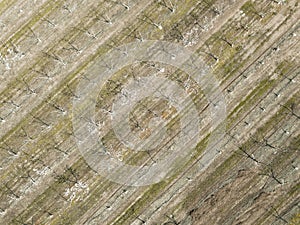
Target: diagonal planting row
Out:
[63,129]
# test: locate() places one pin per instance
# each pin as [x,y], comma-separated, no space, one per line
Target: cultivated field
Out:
[252,48]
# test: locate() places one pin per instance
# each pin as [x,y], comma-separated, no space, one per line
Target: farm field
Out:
[244,170]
